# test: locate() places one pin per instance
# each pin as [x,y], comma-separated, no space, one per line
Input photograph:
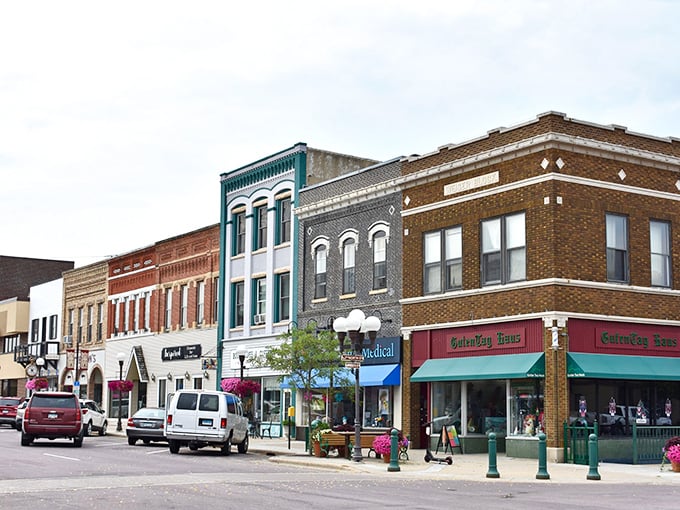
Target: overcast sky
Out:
[117,118]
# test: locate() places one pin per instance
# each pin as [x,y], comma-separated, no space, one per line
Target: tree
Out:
[306,357]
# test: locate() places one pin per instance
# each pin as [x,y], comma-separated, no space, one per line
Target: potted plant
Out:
[318,427]
[671,451]
[382,444]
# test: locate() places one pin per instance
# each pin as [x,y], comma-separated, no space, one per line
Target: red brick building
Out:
[546,255]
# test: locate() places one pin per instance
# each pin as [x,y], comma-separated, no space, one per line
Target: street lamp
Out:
[121,359]
[357,326]
[241,352]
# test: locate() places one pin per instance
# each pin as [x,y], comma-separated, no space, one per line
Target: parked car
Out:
[8,410]
[94,418]
[52,415]
[200,418]
[20,414]
[147,424]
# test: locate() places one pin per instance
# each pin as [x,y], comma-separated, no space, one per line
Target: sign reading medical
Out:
[478,341]
[386,350]
[181,352]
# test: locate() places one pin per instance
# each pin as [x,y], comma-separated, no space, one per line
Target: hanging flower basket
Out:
[39,383]
[242,388]
[121,386]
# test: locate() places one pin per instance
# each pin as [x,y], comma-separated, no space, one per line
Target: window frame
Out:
[504,251]
[259,298]
[320,273]
[615,254]
[444,261]
[260,216]
[239,232]
[183,305]
[238,304]
[664,257]
[349,252]
[283,220]
[200,302]
[282,297]
[379,249]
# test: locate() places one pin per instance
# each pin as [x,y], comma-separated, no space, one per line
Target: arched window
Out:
[348,263]
[320,254]
[379,260]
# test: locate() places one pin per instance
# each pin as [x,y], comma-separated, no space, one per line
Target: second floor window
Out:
[348,260]
[503,249]
[379,260]
[200,302]
[283,296]
[443,260]
[660,246]
[239,303]
[239,225]
[90,319]
[53,327]
[183,306]
[70,322]
[260,289]
[35,330]
[80,323]
[617,248]
[168,308]
[320,272]
[261,229]
[100,323]
[283,211]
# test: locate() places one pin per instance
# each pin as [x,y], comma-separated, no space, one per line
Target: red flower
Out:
[242,388]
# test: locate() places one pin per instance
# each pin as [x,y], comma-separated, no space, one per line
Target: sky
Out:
[117,118]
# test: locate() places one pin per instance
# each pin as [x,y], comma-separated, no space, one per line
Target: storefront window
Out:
[271,399]
[378,406]
[526,407]
[446,408]
[486,410]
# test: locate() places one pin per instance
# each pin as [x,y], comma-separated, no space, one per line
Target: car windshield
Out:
[150,413]
[9,401]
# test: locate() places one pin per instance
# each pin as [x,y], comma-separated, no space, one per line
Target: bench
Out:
[366,441]
[330,441]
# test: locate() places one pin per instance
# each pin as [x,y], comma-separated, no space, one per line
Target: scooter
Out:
[429,457]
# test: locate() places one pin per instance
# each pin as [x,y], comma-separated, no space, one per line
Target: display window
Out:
[378,406]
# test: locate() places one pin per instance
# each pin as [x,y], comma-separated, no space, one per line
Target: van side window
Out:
[209,403]
[231,404]
[187,401]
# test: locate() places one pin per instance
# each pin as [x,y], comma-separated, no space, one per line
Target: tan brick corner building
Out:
[547,291]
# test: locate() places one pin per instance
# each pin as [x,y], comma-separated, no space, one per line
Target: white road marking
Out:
[60,457]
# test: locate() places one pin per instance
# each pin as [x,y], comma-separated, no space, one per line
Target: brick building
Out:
[547,284]
[350,258]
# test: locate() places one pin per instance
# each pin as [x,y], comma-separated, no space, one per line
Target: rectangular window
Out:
[503,249]
[379,261]
[617,248]
[147,311]
[660,246]
[239,225]
[200,302]
[320,272]
[260,240]
[90,318]
[198,383]
[43,330]
[162,385]
[70,322]
[35,330]
[216,298]
[260,294]
[168,308]
[53,327]
[135,321]
[348,258]
[126,315]
[445,245]
[183,305]
[116,316]
[283,297]
[283,210]
[100,323]
[238,291]
[80,323]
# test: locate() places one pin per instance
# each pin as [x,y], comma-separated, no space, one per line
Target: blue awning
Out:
[320,382]
[380,375]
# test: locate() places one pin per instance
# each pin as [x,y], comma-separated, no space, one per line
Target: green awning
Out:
[503,366]
[614,366]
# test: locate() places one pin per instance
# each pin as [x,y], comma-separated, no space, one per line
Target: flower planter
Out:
[318,452]
[386,458]
[675,466]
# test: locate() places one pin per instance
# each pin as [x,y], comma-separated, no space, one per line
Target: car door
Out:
[97,415]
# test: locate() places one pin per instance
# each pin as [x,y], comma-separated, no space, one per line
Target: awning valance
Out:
[614,366]
[380,375]
[502,366]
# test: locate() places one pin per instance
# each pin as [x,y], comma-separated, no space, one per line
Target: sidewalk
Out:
[472,467]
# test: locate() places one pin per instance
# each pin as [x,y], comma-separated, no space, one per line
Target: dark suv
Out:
[52,415]
[8,409]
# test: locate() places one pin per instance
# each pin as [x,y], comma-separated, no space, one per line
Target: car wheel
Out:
[88,429]
[193,447]
[174,446]
[226,447]
[78,440]
[243,445]
[132,441]
[26,440]
[102,431]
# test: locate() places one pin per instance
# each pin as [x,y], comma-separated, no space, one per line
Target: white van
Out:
[200,418]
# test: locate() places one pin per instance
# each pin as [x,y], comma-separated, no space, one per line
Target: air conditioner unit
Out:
[259,318]
[68,340]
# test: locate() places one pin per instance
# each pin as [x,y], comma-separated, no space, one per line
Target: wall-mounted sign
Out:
[386,350]
[503,338]
[181,352]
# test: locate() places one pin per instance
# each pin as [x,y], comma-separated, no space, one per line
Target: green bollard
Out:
[542,459]
[592,458]
[394,451]
[492,472]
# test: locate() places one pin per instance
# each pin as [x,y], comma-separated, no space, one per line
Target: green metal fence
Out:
[648,443]
[576,442]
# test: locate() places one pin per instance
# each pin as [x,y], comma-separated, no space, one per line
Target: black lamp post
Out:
[241,353]
[356,325]
[121,359]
